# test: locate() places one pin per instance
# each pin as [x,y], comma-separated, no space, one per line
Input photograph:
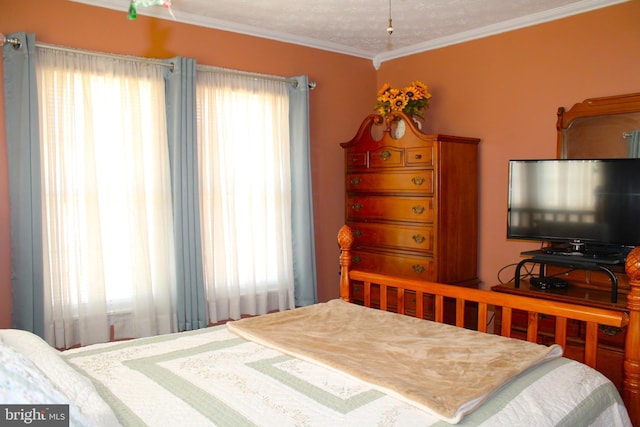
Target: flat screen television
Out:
[576,205]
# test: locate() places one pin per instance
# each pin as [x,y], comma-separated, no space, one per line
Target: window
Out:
[107,223]
[245,194]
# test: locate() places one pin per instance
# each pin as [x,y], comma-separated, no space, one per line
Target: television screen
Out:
[578,202]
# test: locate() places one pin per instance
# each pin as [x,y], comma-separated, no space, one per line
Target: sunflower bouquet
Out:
[410,100]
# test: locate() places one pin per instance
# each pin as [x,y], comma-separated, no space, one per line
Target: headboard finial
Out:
[345,237]
[345,240]
[632,264]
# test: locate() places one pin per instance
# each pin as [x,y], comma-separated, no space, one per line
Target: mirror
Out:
[607,127]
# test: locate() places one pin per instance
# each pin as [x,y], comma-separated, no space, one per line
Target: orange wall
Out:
[344,95]
[506,90]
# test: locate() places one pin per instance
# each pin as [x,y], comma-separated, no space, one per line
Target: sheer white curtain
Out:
[107,221]
[245,194]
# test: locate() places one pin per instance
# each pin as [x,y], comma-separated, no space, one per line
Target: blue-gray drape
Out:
[183,152]
[23,150]
[304,257]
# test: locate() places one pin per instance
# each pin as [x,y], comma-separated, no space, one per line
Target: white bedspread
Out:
[211,377]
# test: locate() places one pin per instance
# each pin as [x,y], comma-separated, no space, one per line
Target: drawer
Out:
[420,156]
[411,238]
[416,209]
[356,160]
[415,267]
[386,157]
[411,182]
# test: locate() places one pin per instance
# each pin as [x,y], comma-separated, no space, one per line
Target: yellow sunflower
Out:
[399,102]
[385,87]
[411,100]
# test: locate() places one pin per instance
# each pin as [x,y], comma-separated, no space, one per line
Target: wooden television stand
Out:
[570,262]
[589,284]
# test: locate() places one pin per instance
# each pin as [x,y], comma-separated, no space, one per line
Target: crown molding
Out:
[502,27]
[376,58]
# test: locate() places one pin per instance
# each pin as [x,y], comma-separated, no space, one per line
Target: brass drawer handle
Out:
[357,233]
[418,156]
[418,180]
[355,181]
[356,260]
[385,155]
[356,206]
[418,269]
[419,238]
[418,210]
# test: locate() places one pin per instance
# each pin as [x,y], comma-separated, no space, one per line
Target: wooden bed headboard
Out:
[489,302]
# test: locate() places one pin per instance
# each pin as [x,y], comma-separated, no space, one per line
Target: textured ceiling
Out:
[358,27]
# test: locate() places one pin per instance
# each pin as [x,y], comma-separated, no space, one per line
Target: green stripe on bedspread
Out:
[101,348]
[506,394]
[590,409]
[339,404]
[124,414]
[201,401]
[208,405]
[583,414]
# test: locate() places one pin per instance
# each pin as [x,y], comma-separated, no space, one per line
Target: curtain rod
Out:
[13,41]
[105,55]
[17,44]
[210,69]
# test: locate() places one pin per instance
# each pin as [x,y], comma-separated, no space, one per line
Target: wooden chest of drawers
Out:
[412,202]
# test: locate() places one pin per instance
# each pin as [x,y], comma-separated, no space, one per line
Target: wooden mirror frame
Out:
[607,108]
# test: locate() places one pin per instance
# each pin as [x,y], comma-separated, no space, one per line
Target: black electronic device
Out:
[548,282]
[585,208]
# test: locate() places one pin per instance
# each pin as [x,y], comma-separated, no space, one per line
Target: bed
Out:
[335,363]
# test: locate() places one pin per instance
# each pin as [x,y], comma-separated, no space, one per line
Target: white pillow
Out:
[54,374]
[21,382]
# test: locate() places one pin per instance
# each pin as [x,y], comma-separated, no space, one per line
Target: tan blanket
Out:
[445,370]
